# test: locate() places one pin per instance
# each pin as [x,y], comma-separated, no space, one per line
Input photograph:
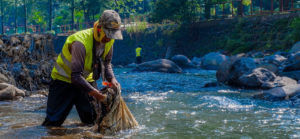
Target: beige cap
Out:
[111,22]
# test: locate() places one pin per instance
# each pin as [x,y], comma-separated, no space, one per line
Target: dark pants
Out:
[62,96]
[138,60]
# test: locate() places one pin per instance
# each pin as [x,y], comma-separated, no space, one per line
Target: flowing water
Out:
[167,106]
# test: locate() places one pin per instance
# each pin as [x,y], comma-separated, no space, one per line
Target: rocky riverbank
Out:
[277,73]
[26,63]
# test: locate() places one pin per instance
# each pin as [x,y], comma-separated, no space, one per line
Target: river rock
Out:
[294,57]
[240,67]
[196,61]
[182,61]
[275,59]
[132,65]
[9,92]
[270,67]
[292,67]
[296,47]
[292,74]
[224,69]
[160,65]
[212,61]
[279,82]
[280,93]
[14,41]
[256,78]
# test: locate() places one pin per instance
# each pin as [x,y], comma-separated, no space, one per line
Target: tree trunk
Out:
[240,8]
[207,9]
[281,5]
[50,15]
[73,8]
[286,5]
[16,15]
[25,16]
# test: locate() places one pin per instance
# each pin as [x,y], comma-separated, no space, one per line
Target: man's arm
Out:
[78,59]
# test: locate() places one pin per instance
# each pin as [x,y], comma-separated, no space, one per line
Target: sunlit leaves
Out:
[246,2]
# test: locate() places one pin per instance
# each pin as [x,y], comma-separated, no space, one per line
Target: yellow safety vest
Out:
[138,51]
[62,67]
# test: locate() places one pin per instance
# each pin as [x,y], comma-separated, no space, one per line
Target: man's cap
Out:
[111,22]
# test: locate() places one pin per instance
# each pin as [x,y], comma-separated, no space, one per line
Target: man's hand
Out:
[114,83]
[98,95]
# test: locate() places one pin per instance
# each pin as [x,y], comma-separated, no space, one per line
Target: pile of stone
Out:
[277,73]
[26,63]
[180,63]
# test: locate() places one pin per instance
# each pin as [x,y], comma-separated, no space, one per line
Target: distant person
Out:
[84,56]
[138,57]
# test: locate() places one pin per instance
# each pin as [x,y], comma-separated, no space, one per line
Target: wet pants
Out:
[62,96]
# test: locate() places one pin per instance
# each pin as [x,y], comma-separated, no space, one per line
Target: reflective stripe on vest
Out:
[138,51]
[62,68]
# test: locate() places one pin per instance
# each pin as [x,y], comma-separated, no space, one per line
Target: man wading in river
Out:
[78,66]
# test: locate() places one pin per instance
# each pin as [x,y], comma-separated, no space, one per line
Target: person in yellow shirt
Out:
[138,57]
[85,56]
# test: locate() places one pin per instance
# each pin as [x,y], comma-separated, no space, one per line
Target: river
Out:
[167,106]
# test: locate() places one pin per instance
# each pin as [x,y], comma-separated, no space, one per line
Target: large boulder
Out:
[9,92]
[292,74]
[212,61]
[279,82]
[275,59]
[240,67]
[294,57]
[160,65]
[256,78]
[295,48]
[183,61]
[271,67]
[292,67]
[280,93]
[223,73]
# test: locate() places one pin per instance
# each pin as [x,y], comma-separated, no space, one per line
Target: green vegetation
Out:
[245,37]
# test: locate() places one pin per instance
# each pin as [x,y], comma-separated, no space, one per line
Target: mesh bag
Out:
[113,115]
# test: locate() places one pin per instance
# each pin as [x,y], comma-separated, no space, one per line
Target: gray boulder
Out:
[160,65]
[295,48]
[256,78]
[224,69]
[240,67]
[279,82]
[196,61]
[294,57]
[132,65]
[292,67]
[280,93]
[270,67]
[9,92]
[212,61]
[183,61]
[292,74]
[275,59]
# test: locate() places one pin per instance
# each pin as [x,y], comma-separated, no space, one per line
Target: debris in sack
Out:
[113,115]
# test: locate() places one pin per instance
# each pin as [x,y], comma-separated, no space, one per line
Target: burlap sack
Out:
[113,115]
